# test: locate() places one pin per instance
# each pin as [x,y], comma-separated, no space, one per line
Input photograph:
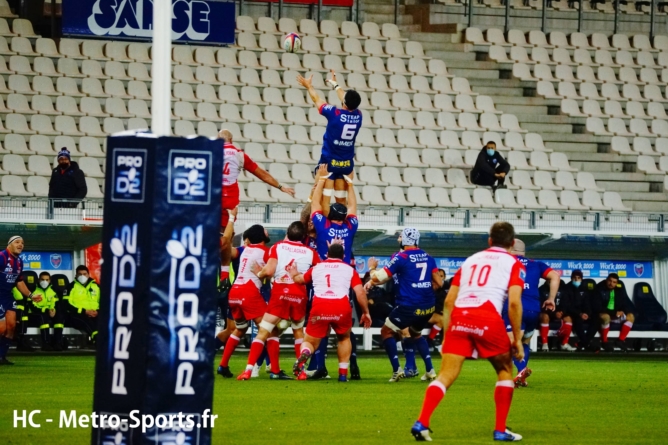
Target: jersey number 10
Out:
[483,274]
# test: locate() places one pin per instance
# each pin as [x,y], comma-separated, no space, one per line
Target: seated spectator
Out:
[580,310]
[46,314]
[613,304]
[67,181]
[563,303]
[490,168]
[84,302]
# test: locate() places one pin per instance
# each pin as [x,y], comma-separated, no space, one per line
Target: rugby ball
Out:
[292,42]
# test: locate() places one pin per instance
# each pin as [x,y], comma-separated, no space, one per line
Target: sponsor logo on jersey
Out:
[128,175]
[189,177]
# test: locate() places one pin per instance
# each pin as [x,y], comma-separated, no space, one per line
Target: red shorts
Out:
[288,302]
[246,302]
[229,202]
[478,329]
[326,313]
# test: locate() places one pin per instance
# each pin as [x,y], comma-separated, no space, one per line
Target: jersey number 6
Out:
[348,132]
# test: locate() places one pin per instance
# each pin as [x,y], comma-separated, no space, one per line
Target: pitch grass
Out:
[570,400]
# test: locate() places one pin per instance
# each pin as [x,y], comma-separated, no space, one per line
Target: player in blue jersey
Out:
[339,224]
[11,267]
[417,278]
[338,142]
[531,307]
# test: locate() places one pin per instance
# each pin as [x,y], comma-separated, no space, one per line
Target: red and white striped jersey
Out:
[291,252]
[233,161]
[255,253]
[332,279]
[487,276]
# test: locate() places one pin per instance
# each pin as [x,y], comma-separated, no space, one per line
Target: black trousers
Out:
[584,329]
[484,179]
[83,323]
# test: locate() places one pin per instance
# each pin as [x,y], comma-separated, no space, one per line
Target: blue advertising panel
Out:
[195,21]
[49,261]
[590,268]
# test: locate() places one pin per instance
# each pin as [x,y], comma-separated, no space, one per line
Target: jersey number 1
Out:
[483,275]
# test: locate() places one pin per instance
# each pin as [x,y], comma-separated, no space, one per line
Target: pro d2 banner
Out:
[160,250]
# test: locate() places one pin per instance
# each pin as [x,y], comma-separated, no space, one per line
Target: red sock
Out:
[224,272]
[343,368]
[544,330]
[433,396]
[604,333]
[565,332]
[503,396]
[230,346]
[626,328]
[298,346]
[273,349]
[434,331]
[255,351]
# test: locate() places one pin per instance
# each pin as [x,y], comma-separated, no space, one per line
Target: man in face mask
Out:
[45,313]
[67,181]
[581,309]
[490,168]
[84,302]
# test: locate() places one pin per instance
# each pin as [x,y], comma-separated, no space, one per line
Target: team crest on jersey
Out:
[639,269]
[523,274]
[56,260]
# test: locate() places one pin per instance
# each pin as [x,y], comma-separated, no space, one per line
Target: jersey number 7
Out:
[423,272]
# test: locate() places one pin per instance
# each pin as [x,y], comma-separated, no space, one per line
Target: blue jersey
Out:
[535,271]
[326,232]
[342,127]
[10,271]
[412,270]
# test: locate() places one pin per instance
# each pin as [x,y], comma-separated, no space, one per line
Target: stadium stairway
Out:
[586,152]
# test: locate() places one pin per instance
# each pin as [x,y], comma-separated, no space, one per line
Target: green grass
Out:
[588,400]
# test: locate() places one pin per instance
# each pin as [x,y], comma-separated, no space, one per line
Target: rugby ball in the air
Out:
[292,42]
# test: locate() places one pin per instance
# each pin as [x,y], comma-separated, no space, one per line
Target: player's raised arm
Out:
[554,279]
[515,317]
[316,204]
[265,177]
[308,84]
[377,276]
[352,198]
[335,85]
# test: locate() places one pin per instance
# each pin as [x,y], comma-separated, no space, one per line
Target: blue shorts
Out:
[7,304]
[410,317]
[530,320]
[337,167]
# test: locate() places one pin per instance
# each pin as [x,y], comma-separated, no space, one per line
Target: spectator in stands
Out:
[84,302]
[67,181]
[45,314]
[490,168]
[563,304]
[580,309]
[613,305]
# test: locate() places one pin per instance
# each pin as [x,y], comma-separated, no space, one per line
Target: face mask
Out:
[490,152]
[576,284]
[44,284]
[82,279]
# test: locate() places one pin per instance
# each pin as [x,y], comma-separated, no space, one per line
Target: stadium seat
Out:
[13,186]
[527,199]
[649,310]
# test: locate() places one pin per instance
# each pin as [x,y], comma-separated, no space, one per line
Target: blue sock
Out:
[219,344]
[262,357]
[4,347]
[323,354]
[353,354]
[523,364]
[423,348]
[390,345]
[409,353]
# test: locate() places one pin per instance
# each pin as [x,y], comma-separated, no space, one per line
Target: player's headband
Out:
[14,238]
